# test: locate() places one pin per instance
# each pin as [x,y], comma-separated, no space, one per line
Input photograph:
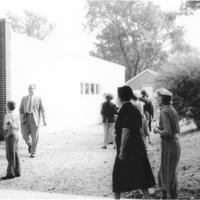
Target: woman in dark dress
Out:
[132,169]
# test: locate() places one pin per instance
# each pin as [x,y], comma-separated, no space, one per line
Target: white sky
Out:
[69,15]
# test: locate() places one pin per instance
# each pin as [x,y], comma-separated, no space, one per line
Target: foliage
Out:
[178,44]
[132,33]
[189,6]
[181,75]
[31,24]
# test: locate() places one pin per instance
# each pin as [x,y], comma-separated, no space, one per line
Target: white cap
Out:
[164,92]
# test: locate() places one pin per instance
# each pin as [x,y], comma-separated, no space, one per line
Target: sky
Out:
[69,17]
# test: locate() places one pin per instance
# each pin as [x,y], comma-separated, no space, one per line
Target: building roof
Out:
[140,74]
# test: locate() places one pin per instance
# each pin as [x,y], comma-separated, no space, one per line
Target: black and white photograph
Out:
[99,99]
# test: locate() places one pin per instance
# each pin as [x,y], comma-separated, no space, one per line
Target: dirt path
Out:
[72,162]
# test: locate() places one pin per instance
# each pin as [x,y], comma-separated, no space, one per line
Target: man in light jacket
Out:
[31,109]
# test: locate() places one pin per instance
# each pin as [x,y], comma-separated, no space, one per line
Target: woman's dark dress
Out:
[133,172]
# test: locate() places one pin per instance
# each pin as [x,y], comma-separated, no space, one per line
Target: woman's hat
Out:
[109,96]
[164,92]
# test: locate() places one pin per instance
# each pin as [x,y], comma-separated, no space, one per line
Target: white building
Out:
[71,87]
[144,81]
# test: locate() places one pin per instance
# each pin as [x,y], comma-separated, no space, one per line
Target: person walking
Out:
[148,108]
[131,169]
[170,146]
[11,127]
[108,112]
[148,112]
[31,109]
[144,129]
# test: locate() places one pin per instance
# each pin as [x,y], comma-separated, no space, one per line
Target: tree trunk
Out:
[128,74]
[131,70]
[136,64]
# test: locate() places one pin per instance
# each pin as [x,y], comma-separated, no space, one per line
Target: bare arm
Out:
[7,124]
[166,129]
[152,110]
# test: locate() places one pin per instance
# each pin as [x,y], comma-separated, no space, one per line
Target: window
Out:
[92,88]
[97,89]
[89,88]
[82,88]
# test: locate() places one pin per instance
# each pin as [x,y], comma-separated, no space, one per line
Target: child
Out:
[11,127]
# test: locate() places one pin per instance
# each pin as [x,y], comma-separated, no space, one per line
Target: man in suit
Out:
[31,109]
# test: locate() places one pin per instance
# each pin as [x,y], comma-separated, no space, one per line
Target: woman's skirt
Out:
[170,156]
[132,173]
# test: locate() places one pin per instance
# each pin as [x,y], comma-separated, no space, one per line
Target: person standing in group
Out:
[132,169]
[148,111]
[31,109]
[11,127]
[144,129]
[170,146]
[108,112]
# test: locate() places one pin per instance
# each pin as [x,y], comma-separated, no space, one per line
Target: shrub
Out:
[181,75]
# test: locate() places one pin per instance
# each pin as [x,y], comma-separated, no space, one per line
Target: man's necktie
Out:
[30,104]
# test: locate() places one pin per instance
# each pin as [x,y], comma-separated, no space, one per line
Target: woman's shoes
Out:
[173,195]
[164,194]
[7,177]
[17,175]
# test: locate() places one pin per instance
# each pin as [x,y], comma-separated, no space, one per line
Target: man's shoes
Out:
[33,155]
[104,147]
[7,177]
[29,148]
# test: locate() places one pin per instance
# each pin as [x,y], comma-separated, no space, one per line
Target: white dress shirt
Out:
[11,118]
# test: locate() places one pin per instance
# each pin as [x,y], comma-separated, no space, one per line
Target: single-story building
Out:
[71,87]
[144,80]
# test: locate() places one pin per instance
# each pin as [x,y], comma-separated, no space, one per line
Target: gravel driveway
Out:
[67,162]
[72,162]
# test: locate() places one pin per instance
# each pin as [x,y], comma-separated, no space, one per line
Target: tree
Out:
[178,44]
[131,33]
[182,78]
[189,6]
[31,24]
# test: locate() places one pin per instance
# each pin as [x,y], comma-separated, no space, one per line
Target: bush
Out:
[181,75]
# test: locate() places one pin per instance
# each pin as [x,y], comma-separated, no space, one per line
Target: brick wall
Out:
[4,71]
